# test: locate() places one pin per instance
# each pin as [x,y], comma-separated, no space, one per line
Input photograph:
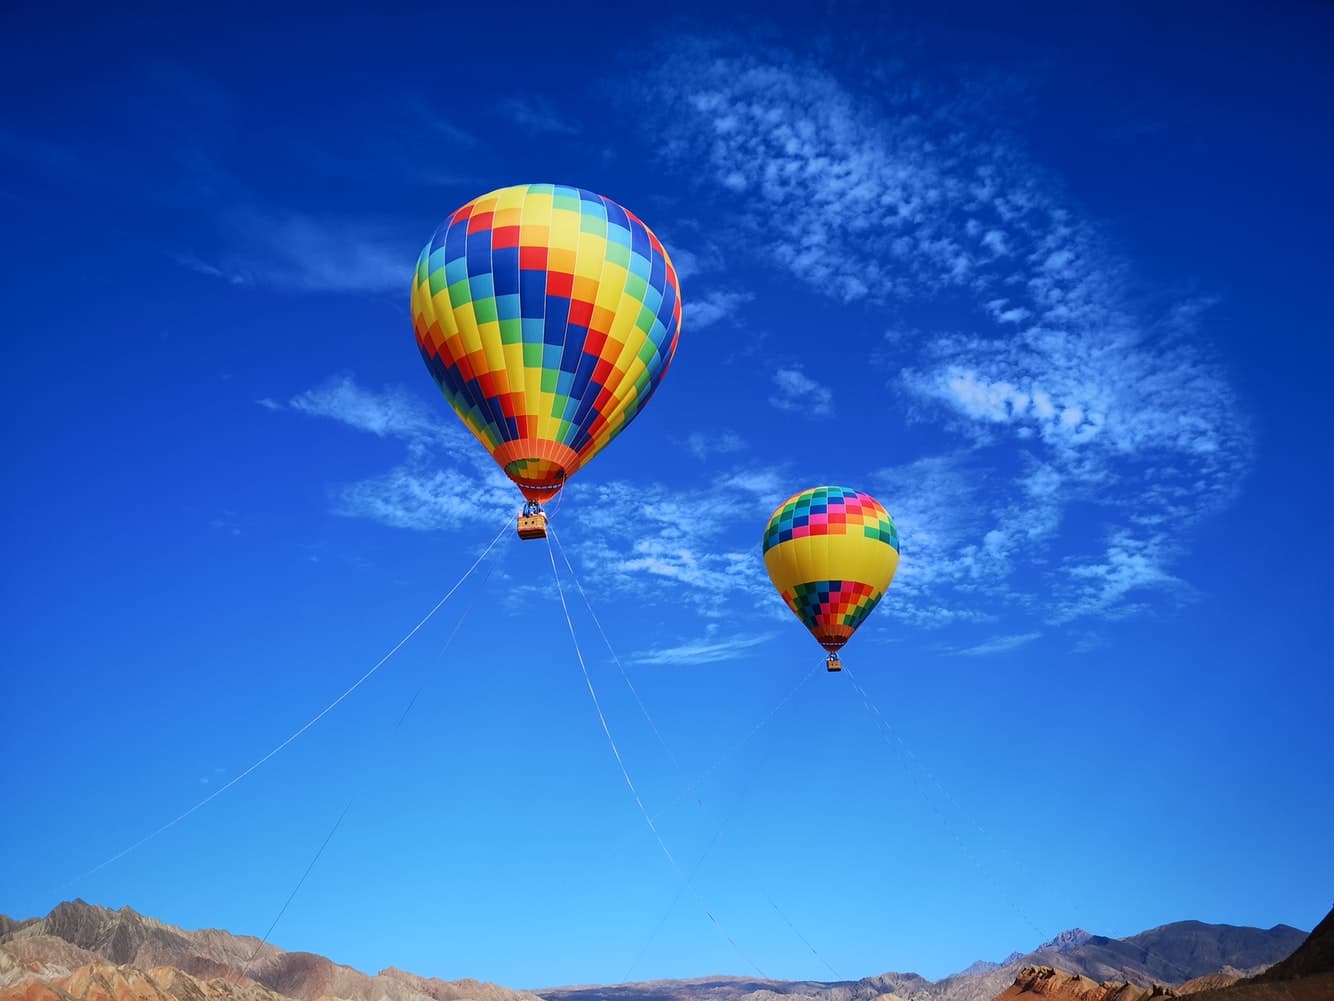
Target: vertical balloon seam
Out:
[617,409]
[586,359]
[597,405]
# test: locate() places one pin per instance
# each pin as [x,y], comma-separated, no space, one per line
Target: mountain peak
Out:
[1065,941]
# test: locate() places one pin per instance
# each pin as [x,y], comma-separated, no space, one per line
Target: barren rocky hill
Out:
[1034,982]
[1168,955]
[102,981]
[80,952]
[1306,975]
[122,955]
[1313,957]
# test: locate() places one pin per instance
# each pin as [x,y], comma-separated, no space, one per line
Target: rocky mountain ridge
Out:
[80,952]
[1165,956]
[1305,975]
[122,955]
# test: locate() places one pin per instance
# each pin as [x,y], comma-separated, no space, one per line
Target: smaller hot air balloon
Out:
[831,553]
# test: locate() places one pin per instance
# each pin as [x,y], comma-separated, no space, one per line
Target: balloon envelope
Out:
[548,316]
[831,552]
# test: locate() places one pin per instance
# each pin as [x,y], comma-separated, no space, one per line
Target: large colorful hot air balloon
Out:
[548,316]
[831,553]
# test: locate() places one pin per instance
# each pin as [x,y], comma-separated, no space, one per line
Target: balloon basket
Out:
[533,526]
[832,663]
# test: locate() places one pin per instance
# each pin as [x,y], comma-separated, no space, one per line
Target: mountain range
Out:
[82,952]
[1169,955]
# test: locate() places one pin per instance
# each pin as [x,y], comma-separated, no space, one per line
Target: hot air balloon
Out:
[548,316]
[831,553]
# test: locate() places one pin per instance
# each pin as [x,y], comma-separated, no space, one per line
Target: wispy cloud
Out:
[1130,565]
[456,135]
[1061,389]
[953,552]
[303,253]
[392,413]
[712,307]
[702,444]
[537,114]
[701,651]
[445,481]
[644,539]
[796,392]
[698,546]
[203,267]
[999,644]
[423,498]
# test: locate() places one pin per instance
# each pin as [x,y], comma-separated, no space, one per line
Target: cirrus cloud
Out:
[1062,389]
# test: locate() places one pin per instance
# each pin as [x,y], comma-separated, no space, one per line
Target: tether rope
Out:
[719,826]
[403,716]
[888,731]
[648,819]
[691,788]
[292,896]
[304,727]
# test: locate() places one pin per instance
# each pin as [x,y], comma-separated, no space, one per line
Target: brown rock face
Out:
[1046,982]
[1209,982]
[448,990]
[107,982]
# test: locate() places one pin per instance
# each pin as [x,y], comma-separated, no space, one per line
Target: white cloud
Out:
[796,392]
[1129,564]
[644,539]
[704,651]
[703,444]
[446,480]
[426,499]
[1061,389]
[948,539]
[300,252]
[704,311]
[391,413]
[676,546]
[999,644]
[688,263]
[203,267]
[769,485]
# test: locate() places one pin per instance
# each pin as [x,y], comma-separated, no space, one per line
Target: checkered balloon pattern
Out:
[831,552]
[547,315]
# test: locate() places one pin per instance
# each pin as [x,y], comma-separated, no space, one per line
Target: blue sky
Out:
[1052,286]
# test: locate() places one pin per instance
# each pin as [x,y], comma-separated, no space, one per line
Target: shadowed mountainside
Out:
[1306,975]
[1314,956]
